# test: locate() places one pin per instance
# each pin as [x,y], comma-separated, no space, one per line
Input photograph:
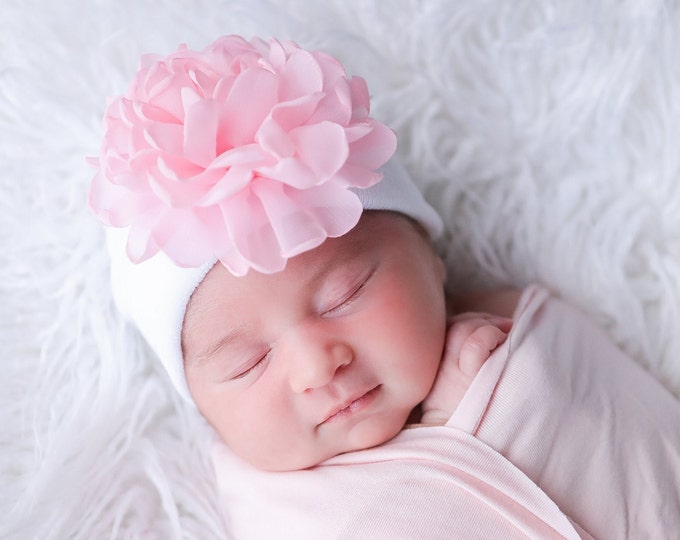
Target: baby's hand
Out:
[470,340]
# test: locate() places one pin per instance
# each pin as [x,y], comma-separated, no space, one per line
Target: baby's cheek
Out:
[431,368]
[262,445]
[271,438]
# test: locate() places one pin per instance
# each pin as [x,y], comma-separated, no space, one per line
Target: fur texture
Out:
[546,133]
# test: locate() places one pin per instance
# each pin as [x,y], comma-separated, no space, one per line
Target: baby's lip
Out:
[349,405]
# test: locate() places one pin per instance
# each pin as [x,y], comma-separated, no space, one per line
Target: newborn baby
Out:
[559,435]
[279,261]
[333,353]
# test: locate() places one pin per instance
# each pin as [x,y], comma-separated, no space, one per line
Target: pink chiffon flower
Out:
[243,152]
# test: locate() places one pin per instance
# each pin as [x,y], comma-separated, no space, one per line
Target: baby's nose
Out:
[314,357]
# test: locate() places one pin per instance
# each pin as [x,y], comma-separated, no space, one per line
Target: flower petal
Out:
[375,148]
[252,154]
[290,171]
[175,191]
[164,137]
[140,246]
[336,209]
[322,147]
[357,176]
[250,100]
[234,179]
[300,76]
[252,232]
[294,113]
[296,229]
[361,103]
[181,234]
[200,132]
[274,140]
[105,198]
[336,105]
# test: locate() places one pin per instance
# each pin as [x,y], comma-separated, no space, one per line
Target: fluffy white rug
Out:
[547,134]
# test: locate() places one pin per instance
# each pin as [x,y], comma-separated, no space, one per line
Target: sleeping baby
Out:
[279,261]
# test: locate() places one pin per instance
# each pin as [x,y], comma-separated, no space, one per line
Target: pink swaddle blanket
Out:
[561,435]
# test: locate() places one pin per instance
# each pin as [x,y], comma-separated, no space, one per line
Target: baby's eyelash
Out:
[349,298]
[258,363]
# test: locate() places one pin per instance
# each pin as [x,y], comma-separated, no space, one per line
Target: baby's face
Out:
[328,356]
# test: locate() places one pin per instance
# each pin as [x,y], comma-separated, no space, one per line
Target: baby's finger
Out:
[478,347]
[459,331]
[462,328]
[504,323]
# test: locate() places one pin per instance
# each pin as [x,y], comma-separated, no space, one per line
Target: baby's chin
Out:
[276,462]
[363,437]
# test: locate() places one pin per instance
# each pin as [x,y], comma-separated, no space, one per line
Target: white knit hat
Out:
[154,294]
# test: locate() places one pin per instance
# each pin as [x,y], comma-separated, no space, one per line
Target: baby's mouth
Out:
[351,406]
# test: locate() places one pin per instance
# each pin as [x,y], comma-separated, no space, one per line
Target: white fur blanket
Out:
[546,133]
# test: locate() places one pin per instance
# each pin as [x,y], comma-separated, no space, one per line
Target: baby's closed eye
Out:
[348,298]
[251,366]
